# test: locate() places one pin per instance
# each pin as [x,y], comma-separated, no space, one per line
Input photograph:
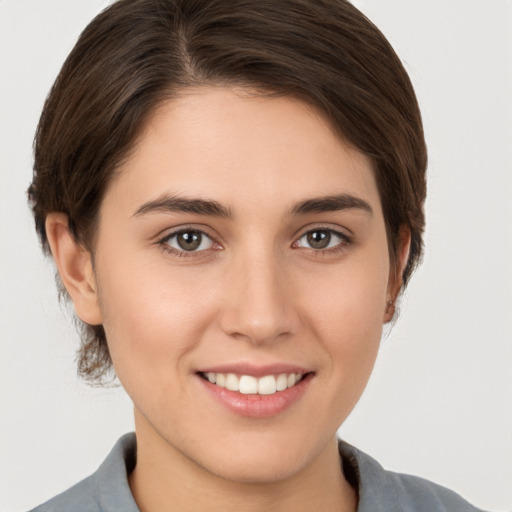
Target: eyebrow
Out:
[331,204]
[170,203]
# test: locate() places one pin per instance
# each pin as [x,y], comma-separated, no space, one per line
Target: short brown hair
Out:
[138,53]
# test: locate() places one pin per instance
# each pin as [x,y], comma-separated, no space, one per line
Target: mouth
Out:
[251,385]
[256,391]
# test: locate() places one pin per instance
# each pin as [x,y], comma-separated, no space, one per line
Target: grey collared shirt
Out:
[107,489]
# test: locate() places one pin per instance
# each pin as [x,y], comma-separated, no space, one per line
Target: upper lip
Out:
[244,368]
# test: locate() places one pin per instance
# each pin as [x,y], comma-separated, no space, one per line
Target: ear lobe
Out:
[396,272]
[74,264]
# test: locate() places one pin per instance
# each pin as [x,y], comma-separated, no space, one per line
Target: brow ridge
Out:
[170,203]
[331,204]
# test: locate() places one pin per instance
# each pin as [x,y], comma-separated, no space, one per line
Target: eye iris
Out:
[189,240]
[319,239]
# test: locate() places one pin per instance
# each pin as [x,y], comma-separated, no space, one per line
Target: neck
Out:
[166,479]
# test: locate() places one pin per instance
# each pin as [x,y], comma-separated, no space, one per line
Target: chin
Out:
[266,468]
[267,458]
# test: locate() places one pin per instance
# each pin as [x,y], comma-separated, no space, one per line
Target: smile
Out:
[249,385]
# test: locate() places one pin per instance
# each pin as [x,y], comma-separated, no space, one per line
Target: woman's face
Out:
[242,242]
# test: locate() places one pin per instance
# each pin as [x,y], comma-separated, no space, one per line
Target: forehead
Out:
[241,148]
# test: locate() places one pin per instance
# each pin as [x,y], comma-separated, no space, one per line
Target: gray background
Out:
[440,401]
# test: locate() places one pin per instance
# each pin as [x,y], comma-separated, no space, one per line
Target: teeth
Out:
[267,385]
[220,380]
[282,382]
[232,382]
[249,385]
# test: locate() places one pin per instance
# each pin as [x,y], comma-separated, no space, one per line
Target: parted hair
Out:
[138,53]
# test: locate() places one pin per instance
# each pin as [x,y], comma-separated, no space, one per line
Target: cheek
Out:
[346,308]
[349,327]
[353,292]
[152,317]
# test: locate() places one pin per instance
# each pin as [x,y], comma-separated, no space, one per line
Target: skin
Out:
[255,292]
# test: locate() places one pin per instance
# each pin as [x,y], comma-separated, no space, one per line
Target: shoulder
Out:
[106,490]
[79,497]
[381,490]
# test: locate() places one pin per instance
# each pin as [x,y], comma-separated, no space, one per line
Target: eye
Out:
[321,239]
[187,240]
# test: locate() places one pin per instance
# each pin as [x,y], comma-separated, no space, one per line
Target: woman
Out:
[234,201]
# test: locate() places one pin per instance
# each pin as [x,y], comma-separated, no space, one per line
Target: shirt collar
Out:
[112,490]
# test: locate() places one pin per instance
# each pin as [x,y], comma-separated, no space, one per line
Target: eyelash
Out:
[344,241]
[164,242]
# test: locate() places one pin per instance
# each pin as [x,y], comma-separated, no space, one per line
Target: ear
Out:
[396,272]
[74,264]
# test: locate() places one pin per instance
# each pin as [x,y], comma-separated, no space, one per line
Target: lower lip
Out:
[258,406]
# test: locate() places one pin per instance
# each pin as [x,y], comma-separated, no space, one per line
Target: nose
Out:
[258,305]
